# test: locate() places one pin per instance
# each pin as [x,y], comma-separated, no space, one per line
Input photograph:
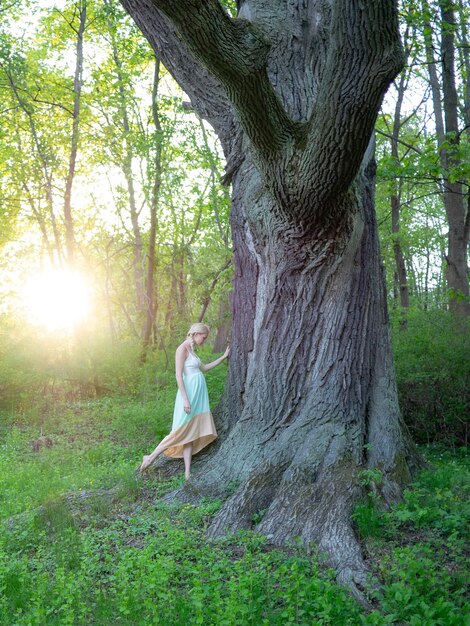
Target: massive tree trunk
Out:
[311,398]
[293,90]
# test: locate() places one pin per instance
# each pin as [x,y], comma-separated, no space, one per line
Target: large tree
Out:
[310,411]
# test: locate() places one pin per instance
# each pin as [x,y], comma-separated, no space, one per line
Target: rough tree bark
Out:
[293,90]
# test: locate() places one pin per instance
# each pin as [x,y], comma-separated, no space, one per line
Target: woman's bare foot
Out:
[187,475]
[145,464]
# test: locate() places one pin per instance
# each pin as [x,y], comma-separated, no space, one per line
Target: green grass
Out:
[93,446]
[128,558]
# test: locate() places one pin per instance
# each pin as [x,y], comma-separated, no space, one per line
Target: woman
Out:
[193,427]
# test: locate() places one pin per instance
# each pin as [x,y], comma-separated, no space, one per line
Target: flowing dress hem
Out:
[200,431]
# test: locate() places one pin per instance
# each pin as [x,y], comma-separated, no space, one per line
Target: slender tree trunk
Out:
[398,253]
[224,236]
[137,244]
[181,284]
[45,169]
[172,307]
[35,205]
[208,297]
[224,324]
[464,51]
[448,135]
[77,92]
[150,282]
[395,203]
[107,294]
[426,278]
[39,217]
[457,267]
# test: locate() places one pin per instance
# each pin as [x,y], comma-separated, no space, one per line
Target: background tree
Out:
[394,127]
[81,9]
[72,151]
[418,164]
[40,100]
[450,104]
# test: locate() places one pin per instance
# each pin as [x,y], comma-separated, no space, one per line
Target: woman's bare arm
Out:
[209,366]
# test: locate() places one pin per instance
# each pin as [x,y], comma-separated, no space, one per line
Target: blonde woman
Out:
[193,427]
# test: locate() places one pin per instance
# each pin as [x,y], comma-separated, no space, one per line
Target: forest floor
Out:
[84,540]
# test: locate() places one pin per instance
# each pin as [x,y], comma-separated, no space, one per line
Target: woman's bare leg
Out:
[187,456]
[149,459]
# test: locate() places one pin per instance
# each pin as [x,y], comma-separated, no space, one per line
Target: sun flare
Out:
[56,299]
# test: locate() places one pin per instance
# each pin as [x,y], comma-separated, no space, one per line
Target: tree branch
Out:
[235,51]
[304,163]
[400,141]
[206,93]
[364,56]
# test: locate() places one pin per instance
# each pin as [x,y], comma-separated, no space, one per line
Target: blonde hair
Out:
[198,328]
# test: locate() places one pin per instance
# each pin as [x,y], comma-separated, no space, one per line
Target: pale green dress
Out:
[198,426]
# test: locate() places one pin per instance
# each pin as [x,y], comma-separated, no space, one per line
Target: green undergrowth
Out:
[154,566]
[125,556]
[420,548]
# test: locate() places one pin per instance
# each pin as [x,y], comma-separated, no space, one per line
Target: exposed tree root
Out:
[296,506]
[287,502]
